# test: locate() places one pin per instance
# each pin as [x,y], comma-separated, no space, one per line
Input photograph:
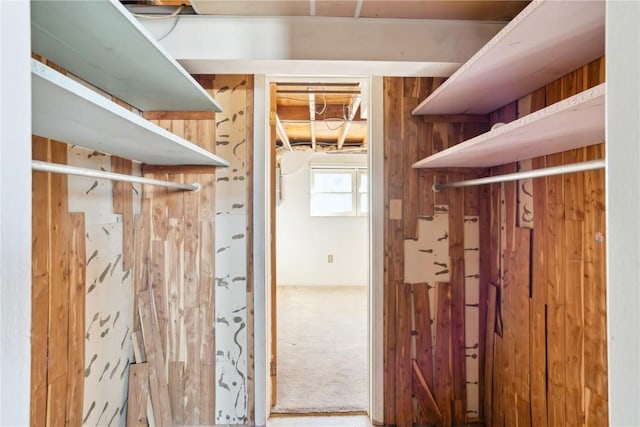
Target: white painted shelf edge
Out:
[575,122]
[102,43]
[546,40]
[65,110]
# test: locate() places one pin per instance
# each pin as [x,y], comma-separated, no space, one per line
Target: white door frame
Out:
[261,242]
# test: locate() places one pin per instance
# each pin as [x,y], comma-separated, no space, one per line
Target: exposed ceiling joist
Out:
[282,134]
[312,118]
[353,108]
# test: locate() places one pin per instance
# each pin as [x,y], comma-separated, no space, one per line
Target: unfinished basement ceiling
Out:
[321,116]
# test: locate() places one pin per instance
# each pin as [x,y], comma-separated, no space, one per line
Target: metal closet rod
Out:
[38,165]
[537,173]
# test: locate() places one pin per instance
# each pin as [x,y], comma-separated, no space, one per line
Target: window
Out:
[339,192]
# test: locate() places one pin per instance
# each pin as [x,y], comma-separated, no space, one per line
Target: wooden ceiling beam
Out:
[282,134]
[312,119]
[301,112]
[353,109]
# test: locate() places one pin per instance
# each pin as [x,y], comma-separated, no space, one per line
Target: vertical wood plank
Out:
[40,226]
[574,186]
[389,311]
[520,319]
[595,316]
[75,361]
[489,355]
[485,326]
[443,375]
[404,403]
[206,296]
[159,274]
[176,391]
[574,323]
[424,345]
[537,346]
[456,252]
[424,396]
[410,142]
[123,205]
[157,376]
[138,394]
[554,249]
[58,290]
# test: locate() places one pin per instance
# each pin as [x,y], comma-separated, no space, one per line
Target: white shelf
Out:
[544,42]
[100,42]
[65,110]
[574,122]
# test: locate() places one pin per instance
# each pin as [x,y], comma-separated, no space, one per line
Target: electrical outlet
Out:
[330,258]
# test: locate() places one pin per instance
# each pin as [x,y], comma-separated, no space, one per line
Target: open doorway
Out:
[319,247]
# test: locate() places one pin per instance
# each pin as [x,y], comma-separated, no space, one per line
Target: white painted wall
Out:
[15,212]
[304,242]
[623,205]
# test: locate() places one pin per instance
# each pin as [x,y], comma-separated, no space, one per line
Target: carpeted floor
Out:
[322,349]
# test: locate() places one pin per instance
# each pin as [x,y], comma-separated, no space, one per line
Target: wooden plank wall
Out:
[58,296]
[548,366]
[407,315]
[175,234]
[174,253]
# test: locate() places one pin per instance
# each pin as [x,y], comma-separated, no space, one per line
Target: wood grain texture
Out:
[404,404]
[561,342]
[595,316]
[138,395]
[39,283]
[58,291]
[424,344]
[443,378]
[537,305]
[77,289]
[180,231]
[157,375]
[424,396]
[489,355]
[123,205]
[408,197]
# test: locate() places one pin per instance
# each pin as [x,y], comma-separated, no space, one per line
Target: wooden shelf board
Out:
[544,42]
[65,110]
[102,43]
[575,122]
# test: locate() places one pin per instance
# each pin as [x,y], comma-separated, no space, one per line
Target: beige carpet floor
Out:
[322,349]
